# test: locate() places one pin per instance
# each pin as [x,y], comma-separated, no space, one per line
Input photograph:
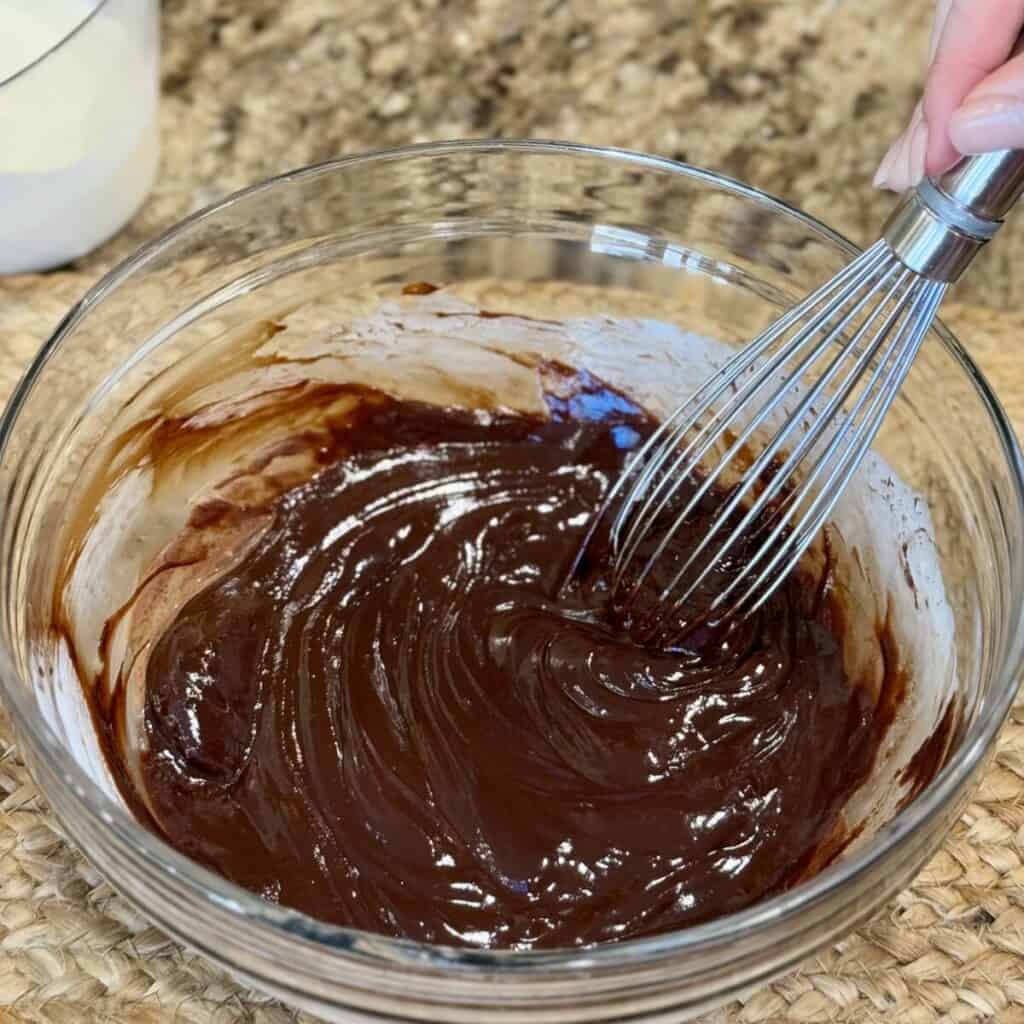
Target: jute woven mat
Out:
[949,949]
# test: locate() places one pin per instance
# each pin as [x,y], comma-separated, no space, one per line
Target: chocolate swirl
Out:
[391,715]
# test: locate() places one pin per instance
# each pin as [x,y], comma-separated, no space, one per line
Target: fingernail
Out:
[938,27]
[903,166]
[918,150]
[908,168]
[895,168]
[884,171]
[987,123]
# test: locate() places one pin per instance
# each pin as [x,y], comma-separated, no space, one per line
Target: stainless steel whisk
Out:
[826,373]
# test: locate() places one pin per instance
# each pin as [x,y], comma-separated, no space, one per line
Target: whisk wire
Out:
[685,417]
[839,358]
[795,458]
[828,494]
[847,423]
[691,457]
[701,443]
[886,310]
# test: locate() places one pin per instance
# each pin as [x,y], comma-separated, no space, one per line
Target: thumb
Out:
[992,115]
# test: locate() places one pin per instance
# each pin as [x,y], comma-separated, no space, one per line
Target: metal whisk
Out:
[816,386]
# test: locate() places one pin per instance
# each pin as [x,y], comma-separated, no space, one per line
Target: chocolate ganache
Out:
[399,710]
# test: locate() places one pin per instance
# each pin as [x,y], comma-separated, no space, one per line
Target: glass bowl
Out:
[607,236]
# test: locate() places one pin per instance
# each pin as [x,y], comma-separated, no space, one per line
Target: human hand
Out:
[974,95]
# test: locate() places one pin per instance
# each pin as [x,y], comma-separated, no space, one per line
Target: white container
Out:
[79,145]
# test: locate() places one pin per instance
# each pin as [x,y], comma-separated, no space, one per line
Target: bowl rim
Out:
[214,890]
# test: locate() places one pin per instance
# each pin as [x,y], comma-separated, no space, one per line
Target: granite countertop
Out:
[798,98]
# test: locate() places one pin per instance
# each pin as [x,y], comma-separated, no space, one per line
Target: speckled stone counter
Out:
[799,98]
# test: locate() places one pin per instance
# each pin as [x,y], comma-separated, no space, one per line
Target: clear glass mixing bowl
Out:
[617,234]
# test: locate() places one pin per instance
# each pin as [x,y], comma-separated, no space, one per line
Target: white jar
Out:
[79,88]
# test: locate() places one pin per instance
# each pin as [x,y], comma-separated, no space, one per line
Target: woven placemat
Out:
[949,949]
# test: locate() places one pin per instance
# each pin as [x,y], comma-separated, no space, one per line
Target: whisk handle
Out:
[986,186]
[938,229]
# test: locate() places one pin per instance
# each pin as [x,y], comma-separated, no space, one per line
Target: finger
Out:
[976,38]
[906,150]
[903,166]
[992,115]
[883,176]
[942,9]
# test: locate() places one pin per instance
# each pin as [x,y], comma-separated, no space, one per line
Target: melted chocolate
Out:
[390,713]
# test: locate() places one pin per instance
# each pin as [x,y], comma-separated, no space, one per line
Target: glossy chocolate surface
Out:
[394,712]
